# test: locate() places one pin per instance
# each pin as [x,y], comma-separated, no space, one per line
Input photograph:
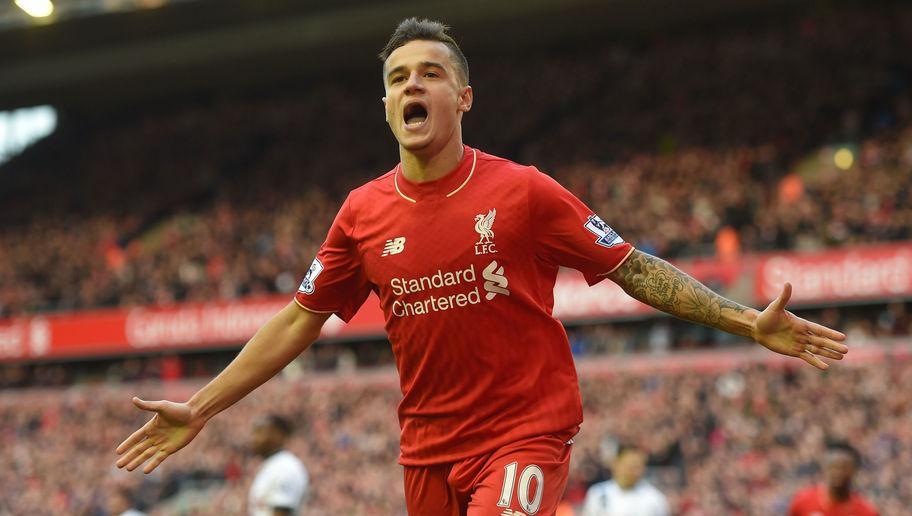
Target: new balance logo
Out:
[394,246]
[495,281]
[511,512]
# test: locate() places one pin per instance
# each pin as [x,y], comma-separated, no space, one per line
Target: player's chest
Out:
[453,234]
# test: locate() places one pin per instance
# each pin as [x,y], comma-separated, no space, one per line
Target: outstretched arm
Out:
[663,286]
[174,425]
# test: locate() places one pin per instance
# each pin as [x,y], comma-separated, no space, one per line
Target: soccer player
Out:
[121,503]
[626,494]
[834,497]
[281,483]
[463,249]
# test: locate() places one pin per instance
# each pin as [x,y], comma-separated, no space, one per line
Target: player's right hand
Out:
[169,430]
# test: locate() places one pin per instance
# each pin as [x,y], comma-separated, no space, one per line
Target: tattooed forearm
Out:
[661,285]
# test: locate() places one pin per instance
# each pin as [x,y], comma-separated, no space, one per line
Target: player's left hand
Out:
[783,332]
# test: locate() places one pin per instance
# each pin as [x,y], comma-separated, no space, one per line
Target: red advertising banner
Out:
[875,272]
[575,300]
[190,326]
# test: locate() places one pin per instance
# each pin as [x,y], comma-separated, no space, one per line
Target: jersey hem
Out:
[565,435]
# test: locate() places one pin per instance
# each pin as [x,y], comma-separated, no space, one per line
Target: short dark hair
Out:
[126,493]
[412,29]
[279,423]
[624,448]
[845,447]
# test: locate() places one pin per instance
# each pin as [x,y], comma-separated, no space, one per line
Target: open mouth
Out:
[415,115]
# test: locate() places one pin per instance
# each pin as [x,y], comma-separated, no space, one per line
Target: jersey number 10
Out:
[525,482]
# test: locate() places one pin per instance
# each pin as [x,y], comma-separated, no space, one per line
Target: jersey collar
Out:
[445,187]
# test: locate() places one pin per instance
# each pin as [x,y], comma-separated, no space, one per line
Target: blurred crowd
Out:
[786,134]
[861,323]
[738,441]
[723,203]
[652,336]
[717,142]
[742,442]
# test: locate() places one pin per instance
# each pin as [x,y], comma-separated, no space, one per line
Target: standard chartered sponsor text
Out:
[439,279]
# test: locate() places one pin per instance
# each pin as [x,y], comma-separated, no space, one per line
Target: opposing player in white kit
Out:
[281,484]
[627,493]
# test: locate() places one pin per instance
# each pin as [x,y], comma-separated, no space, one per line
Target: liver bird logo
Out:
[483,225]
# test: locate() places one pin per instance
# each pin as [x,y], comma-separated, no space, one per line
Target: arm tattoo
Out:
[661,285]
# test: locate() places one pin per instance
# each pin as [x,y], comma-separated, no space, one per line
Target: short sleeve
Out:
[569,234]
[335,281]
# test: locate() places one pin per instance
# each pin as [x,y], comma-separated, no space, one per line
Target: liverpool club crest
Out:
[484,225]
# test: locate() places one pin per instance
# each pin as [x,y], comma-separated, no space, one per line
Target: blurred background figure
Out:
[121,503]
[627,493]
[835,496]
[281,483]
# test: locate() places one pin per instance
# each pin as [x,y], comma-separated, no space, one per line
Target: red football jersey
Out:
[815,501]
[464,267]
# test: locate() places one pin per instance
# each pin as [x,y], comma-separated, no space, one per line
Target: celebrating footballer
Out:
[463,250]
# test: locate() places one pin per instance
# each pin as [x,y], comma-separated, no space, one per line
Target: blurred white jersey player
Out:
[281,484]
[627,494]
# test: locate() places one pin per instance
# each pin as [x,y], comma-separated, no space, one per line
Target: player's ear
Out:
[465,99]
[385,112]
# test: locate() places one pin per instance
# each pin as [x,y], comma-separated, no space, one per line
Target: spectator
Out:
[120,503]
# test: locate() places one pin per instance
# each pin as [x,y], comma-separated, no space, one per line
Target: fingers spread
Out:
[813,360]
[159,457]
[830,354]
[823,331]
[828,345]
[134,452]
[135,437]
[143,457]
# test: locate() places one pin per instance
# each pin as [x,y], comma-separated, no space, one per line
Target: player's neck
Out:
[271,452]
[840,494]
[420,168]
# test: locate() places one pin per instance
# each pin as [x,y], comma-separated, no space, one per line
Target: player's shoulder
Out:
[291,460]
[650,488]
[502,165]
[654,495]
[285,462]
[601,488]
[370,191]
[862,504]
[805,493]
[497,172]
[379,184]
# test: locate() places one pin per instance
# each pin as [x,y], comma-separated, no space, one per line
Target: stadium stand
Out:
[727,440]
[721,143]
[217,201]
